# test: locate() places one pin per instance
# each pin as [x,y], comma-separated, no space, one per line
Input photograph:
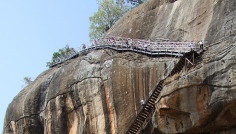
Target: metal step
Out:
[144,114]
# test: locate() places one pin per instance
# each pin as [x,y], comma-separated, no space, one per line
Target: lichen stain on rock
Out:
[110,108]
[202,104]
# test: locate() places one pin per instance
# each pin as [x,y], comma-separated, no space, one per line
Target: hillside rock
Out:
[101,91]
[203,98]
[97,93]
[181,20]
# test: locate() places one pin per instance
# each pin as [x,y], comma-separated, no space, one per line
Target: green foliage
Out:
[60,53]
[27,80]
[106,16]
[48,64]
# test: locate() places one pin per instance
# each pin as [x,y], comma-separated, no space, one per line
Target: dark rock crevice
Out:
[43,87]
[36,114]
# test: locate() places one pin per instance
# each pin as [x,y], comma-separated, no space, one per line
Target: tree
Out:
[60,53]
[27,80]
[120,3]
[106,16]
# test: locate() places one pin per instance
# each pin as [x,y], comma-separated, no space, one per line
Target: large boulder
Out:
[96,93]
[100,92]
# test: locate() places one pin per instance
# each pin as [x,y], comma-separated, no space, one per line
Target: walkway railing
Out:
[146,47]
[147,111]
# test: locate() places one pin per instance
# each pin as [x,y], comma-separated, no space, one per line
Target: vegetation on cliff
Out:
[100,92]
[61,52]
[27,80]
[108,13]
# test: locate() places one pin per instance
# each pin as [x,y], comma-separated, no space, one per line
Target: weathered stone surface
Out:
[182,20]
[201,99]
[97,93]
[101,92]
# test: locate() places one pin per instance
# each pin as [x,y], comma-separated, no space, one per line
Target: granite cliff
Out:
[100,92]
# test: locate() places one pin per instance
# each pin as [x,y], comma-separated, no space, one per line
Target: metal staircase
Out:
[147,111]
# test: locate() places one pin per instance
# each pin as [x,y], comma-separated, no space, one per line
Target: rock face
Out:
[202,98]
[181,20]
[101,91]
[97,93]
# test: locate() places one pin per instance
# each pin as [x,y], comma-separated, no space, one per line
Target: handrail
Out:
[145,114]
[147,47]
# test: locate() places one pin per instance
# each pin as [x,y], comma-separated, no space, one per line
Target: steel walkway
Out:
[185,50]
[147,111]
[146,47]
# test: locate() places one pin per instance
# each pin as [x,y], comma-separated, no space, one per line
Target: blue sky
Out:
[30,31]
